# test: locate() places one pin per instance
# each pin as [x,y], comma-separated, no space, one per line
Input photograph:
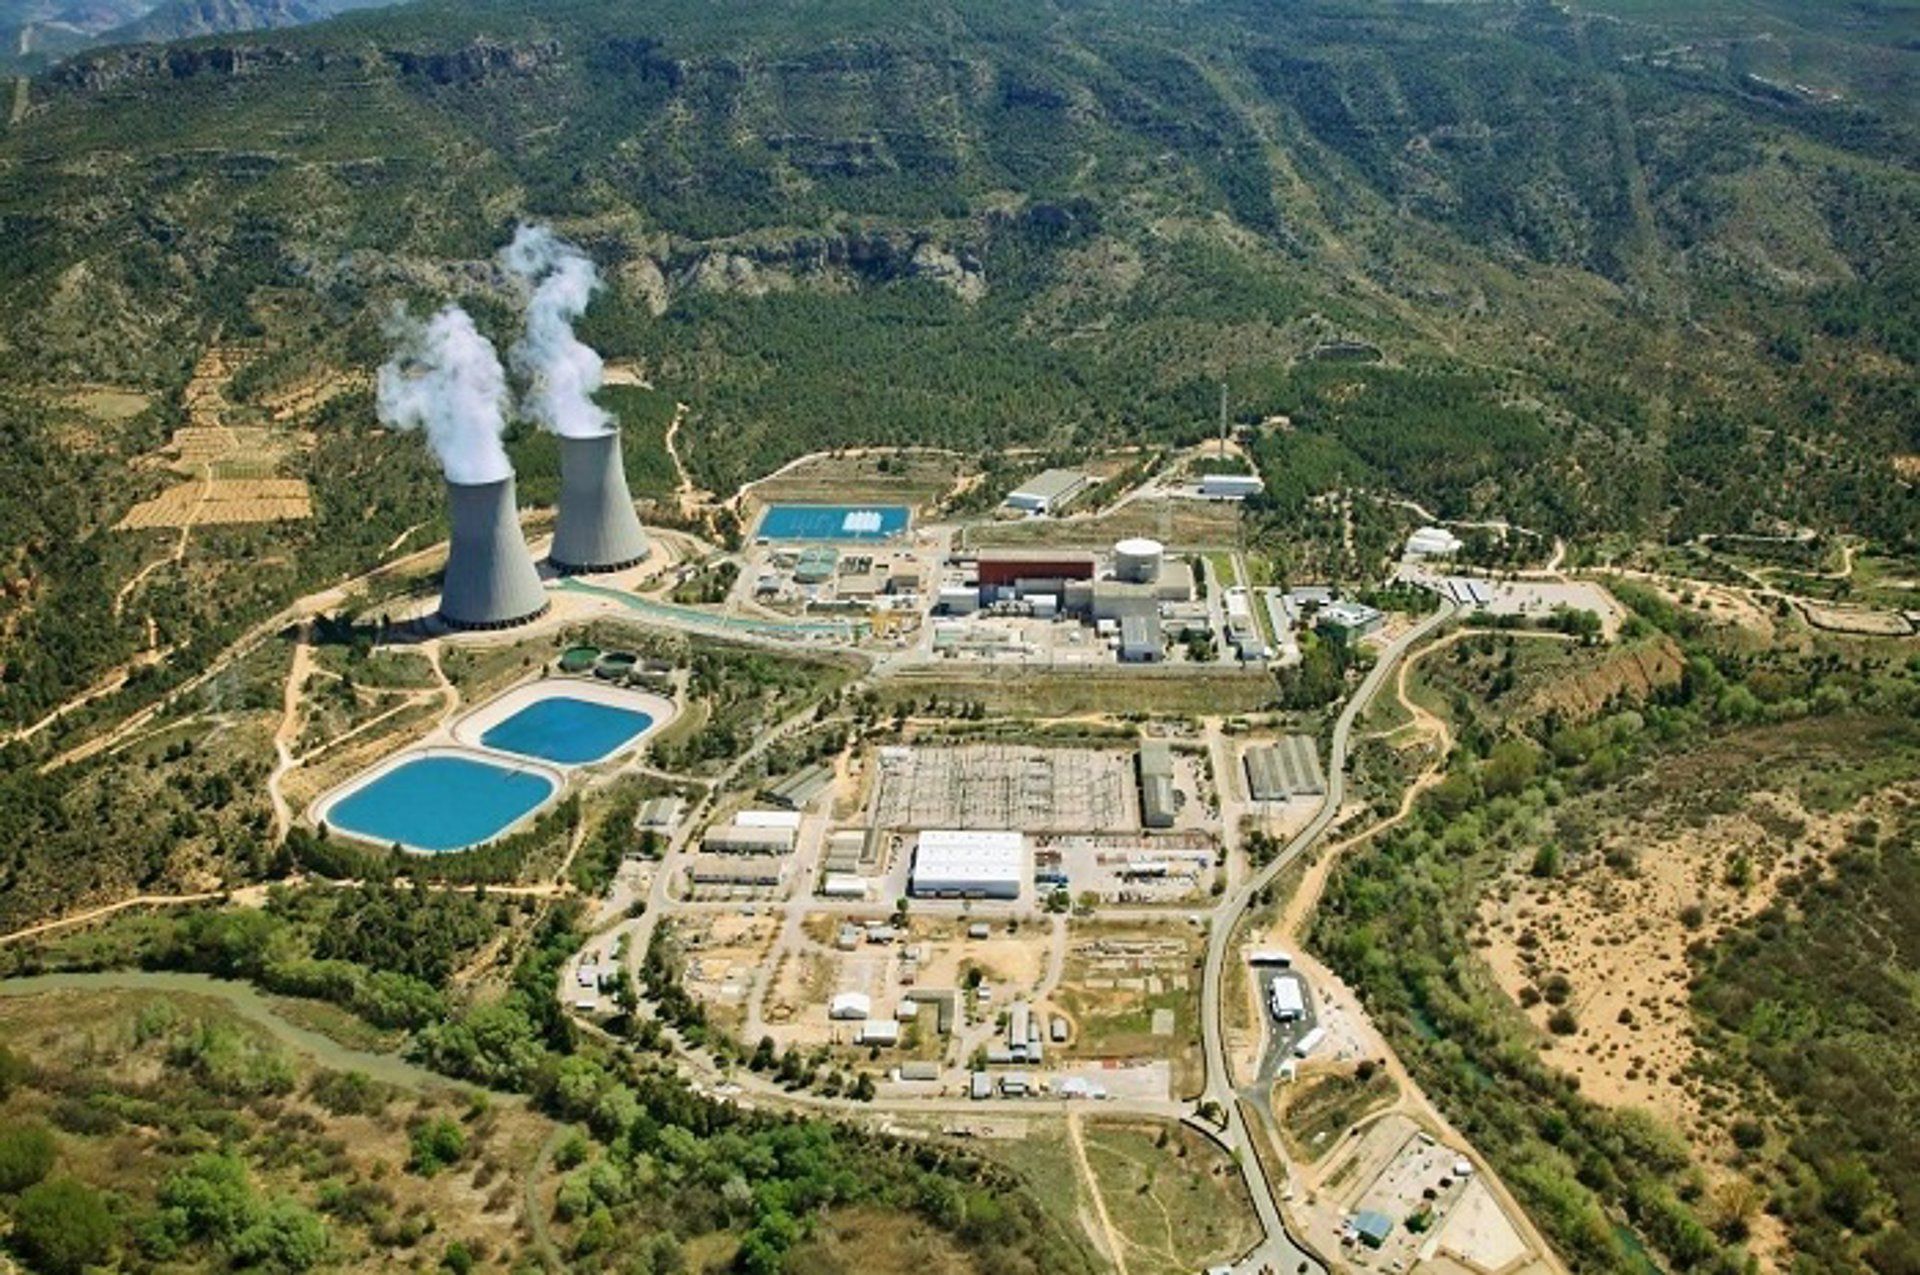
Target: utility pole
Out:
[1223,420]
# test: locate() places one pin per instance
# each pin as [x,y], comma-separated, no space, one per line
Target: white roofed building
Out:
[959,863]
[1432,542]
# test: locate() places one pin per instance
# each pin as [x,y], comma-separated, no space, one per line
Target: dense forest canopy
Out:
[1623,269]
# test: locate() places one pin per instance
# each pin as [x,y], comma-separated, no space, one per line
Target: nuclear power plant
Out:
[597,529]
[490,582]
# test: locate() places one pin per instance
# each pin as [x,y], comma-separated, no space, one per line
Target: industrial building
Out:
[737,838]
[801,787]
[731,870]
[1048,492]
[1285,1001]
[490,581]
[1349,621]
[1432,542]
[850,1006]
[1287,768]
[969,863]
[878,1031]
[958,599]
[1230,486]
[1140,641]
[1008,568]
[1158,801]
[843,885]
[596,528]
[1371,1227]
[660,814]
[816,564]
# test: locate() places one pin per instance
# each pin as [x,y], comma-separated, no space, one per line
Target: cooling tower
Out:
[490,583]
[597,528]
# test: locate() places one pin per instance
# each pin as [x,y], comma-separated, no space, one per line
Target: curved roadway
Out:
[1279,1252]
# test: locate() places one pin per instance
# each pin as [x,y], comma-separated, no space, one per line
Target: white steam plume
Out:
[446,381]
[561,371]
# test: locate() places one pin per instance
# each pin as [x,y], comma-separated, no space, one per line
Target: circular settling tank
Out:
[579,659]
[615,665]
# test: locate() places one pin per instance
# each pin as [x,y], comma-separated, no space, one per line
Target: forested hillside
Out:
[1626,271]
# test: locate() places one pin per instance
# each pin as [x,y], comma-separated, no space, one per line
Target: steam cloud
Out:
[446,381]
[561,371]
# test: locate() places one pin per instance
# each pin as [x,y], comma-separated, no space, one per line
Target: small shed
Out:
[1372,1227]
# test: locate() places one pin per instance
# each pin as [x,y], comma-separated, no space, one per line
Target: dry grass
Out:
[918,478]
[222,502]
[1182,524]
[1175,1201]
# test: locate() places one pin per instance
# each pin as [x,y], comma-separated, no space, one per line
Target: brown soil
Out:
[1634,672]
[1619,940]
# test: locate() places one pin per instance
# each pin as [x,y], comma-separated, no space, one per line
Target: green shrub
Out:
[62,1227]
[26,1156]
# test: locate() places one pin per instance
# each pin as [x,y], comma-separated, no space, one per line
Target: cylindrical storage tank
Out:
[597,529]
[490,581]
[1138,560]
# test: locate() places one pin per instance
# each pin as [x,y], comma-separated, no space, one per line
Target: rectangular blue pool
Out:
[566,730]
[440,803]
[832,522]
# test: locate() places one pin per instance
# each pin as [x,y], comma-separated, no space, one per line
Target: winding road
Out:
[1279,1252]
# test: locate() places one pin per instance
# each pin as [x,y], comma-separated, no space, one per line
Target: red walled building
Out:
[1002,568]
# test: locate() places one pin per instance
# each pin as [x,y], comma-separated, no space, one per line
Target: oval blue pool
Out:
[569,731]
[440,803]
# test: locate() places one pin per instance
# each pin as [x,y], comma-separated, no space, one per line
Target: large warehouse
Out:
[1284,769]
[1048,492]
[969,863]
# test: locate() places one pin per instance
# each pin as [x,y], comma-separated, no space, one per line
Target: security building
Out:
[969,863]
[1158,804]
[1048,492]
[1349,621]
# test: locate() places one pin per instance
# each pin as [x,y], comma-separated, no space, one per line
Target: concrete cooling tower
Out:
[597,529]
[490,582]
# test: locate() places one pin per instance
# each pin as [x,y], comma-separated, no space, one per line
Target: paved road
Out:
[1279,1252]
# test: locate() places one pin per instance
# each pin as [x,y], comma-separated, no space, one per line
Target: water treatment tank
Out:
[1138,560]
